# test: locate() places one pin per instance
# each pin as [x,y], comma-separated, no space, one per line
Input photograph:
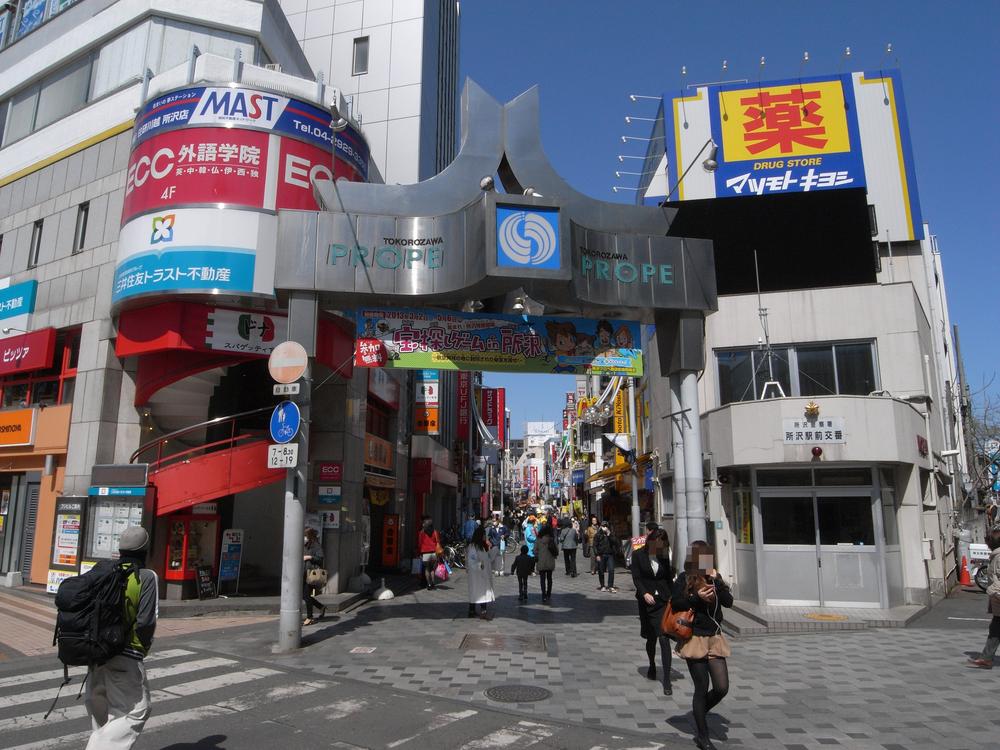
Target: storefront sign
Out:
[18,299]
[66,545]
[195,250]
[620,418]
[378,452]
[232,554]
[237,168]
[464,393]
[409,338]
[330,471]
[247,109]
[425,410]
[329,494]
[117,491]
[384,387]
[330,519]
[813,431]
[27,352]
[17,427]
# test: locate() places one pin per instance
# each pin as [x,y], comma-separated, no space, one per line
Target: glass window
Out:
[843,477]
[64,92]
[15,395]
[787,520]
[68,388]
[777,371]
[4,105]
[121,60]
[784,478]
[845,520]
[21,115]
[178,38]
[735,376]
[45,392]
[816,371]
[855,369]
[360,64]
[80,233]
[36,244]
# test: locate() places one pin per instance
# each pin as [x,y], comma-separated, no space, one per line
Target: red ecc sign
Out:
[27,352]
[330,471]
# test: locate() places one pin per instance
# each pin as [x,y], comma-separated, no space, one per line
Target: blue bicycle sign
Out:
[285,421]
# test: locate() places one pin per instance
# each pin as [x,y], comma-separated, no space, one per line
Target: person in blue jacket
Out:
[530,534]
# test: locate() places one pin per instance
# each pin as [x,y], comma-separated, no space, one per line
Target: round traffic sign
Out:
[287,362]
[285,420]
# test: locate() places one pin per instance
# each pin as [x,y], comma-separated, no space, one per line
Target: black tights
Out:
[546,578]
[704,699]
[665,655]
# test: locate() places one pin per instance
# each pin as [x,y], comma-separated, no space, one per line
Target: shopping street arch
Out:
[538,248]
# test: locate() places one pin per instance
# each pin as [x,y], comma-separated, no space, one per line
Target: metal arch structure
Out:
[435,242]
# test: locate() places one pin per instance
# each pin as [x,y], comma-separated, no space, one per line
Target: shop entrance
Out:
[819,547]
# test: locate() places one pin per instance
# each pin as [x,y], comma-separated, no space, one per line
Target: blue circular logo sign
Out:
[285,421]
[527,238]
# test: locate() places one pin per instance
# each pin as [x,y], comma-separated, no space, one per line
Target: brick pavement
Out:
[876,689]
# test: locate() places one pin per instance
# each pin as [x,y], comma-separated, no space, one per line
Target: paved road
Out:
[413,672]
[202,700]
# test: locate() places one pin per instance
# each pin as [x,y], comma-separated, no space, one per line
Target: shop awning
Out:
[609,473]
[379,480]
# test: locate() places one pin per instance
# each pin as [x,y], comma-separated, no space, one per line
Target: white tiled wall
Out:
[388,96]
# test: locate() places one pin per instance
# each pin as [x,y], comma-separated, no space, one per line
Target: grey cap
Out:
[133,539]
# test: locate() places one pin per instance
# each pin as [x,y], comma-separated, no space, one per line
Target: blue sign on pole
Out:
[994,470]
[996,485]
[285,420]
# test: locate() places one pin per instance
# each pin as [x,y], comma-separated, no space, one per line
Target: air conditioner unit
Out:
[276,67]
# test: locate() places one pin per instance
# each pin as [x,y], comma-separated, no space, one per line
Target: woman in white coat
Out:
[477,564]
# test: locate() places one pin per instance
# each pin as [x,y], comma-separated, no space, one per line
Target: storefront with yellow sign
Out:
[32,464]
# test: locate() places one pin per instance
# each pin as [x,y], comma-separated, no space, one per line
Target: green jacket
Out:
[141,610]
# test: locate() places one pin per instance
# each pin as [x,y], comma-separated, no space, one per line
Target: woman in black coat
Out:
[700,588]
[653,577]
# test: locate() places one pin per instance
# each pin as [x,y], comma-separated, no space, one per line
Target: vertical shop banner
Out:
[501,399]
[231,555]
[463,393]
[426,409]
[620,419]
[448,340]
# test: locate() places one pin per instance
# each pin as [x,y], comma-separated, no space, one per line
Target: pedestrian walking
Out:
[530,534]
[569,540]
[496,535]
[654,578]
[428,547]
[546,552]
[523,566]
[312,559]
[985,659]
[588,544]
[117,696]
[469,527]
[477,563]
[699,587]
[605,545]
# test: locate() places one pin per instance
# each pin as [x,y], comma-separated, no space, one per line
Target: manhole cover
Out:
[517,693]
[822,617]
[516,643]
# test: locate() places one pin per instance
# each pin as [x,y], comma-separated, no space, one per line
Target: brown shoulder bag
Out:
[677,624]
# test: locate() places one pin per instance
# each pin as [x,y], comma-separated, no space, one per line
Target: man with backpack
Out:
[117,695]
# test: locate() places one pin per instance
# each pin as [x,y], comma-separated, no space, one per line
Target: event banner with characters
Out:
[447,340]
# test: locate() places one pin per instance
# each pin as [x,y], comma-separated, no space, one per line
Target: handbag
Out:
[441,572]
[677,624]
[316,577]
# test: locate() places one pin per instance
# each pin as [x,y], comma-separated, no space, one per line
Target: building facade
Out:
[115,362]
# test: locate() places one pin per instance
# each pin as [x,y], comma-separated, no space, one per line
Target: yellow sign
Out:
[823,617]
[17,427]
[620,414]
[778,122]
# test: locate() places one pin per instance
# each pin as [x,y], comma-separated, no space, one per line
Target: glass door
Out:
[848,553]
[789,569]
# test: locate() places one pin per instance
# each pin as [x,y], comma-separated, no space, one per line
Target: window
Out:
[36,244]
[377,421]
[54,385]
[80,233]
[21,115]
[360,64]
[64,92]
[812,370]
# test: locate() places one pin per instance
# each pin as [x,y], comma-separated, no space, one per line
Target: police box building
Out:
[835,459]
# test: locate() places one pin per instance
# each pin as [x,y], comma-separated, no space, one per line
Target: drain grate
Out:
[496,642]
[517,693]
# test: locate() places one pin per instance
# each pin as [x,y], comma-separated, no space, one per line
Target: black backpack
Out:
[91,624]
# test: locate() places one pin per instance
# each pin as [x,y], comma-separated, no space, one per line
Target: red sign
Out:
[197,165]
[27,352]
[464,393]
[329,471]
[533,481]
[227,166]
[370,353]
[489,407]
[502,416]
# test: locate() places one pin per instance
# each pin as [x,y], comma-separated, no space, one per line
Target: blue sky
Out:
[588,56]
